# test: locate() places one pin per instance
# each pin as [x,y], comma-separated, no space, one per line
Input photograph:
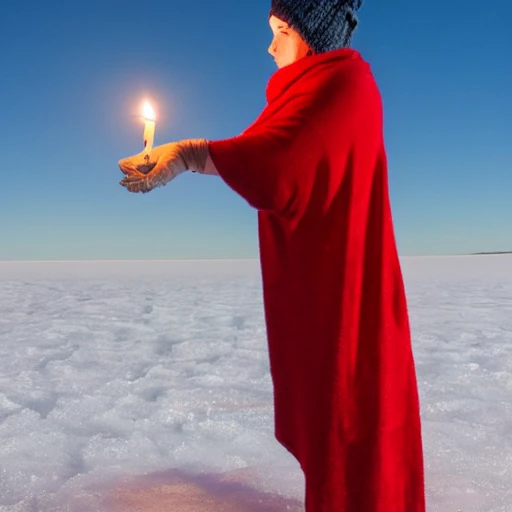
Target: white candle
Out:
[149,129]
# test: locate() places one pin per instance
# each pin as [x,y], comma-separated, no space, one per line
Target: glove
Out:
[169,160]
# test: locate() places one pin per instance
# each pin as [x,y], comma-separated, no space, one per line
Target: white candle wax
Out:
[149,129]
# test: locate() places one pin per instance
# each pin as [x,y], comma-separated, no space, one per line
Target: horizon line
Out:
[230,259]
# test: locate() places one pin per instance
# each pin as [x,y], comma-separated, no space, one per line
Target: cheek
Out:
[300,48]
[285,46]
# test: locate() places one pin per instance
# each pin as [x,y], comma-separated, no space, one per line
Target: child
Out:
[314,165]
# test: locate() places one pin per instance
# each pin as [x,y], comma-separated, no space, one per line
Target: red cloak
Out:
[345,391]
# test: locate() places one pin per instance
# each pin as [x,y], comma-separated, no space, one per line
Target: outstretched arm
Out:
[273,165]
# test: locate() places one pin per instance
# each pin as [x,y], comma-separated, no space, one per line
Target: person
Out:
[314,166]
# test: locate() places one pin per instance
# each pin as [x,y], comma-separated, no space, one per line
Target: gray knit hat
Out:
[324,25]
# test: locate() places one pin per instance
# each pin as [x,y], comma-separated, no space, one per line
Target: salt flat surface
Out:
[124,384]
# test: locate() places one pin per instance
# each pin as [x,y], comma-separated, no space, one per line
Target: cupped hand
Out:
[143,175]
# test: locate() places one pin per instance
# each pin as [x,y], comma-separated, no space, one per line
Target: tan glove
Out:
[167,162]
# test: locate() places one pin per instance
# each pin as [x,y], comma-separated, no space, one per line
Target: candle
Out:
[148,115]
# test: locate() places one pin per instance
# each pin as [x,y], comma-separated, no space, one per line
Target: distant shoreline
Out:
[494,252]
[164,260]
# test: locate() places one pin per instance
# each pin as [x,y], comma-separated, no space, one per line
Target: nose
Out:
[272,48]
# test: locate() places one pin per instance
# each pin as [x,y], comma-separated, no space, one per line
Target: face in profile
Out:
[287,45]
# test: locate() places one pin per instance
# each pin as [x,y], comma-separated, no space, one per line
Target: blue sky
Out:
[74,75]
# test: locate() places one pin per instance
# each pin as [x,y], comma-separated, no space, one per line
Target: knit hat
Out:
[324,25]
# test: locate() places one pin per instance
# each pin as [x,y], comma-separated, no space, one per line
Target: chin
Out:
[282,64]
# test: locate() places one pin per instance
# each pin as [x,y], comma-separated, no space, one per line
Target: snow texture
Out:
[117,376]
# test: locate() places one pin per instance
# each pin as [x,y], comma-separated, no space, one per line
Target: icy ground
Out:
[122,381]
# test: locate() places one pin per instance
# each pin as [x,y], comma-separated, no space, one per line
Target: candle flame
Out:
[148,112]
